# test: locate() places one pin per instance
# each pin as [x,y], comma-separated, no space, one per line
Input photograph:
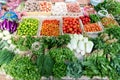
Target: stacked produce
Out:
[50,28]
[73,7]
[94,18]
[59,9]
[85,19]
[92,27]
[28,26]
[80,45]
[11,26]
[108,22]
[71,25]
[45,6]
[57,1]
[26,56]
[32,6]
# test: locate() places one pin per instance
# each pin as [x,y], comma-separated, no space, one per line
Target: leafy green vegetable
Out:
[6,56]
[111,6]
[74,69]
[50,42]
[117,18]
[115,31]
[61,55]
[45,64]
[115,62]
[94,18]
[98,65]
[21,68]
[24,43]
[59,70]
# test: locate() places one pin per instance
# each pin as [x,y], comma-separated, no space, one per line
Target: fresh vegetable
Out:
[108,22]
[74,69]
[59,70]
[92,27]
[117,18]
[24,43]
[45,6]
[45,64]
[61,55]
[60,41]
[71,25]
[73,7]
[28,26]
[85,19]
[6,56]
[50,28]
[11,26]
[21,68]
[32,6]
[98,65]
[94,18]
[115,32]
[112,6]
[80,45]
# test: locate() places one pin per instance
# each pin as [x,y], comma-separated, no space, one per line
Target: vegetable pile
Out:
[6,56]
[28,26]
[71,25]
[94,18]
[45,6]
[11,26]
[85,19]
[108,22]
[50,28]
[92,27]
[73,7]
[22,68]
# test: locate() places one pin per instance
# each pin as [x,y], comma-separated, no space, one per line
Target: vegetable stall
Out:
[60,39]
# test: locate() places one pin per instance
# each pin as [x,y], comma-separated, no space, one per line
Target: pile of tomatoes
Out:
[71,25]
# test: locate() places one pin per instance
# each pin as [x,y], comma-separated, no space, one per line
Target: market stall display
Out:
[45,6]
[108,22]
[50,28]
[28,26]
[59,9]
[60,39]
[71,25]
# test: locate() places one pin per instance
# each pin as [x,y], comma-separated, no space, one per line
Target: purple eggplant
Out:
[11,26]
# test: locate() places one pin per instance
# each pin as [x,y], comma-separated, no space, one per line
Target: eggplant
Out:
[11,26]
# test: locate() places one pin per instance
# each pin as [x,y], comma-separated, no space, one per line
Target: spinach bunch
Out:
[21,68]
[45,65]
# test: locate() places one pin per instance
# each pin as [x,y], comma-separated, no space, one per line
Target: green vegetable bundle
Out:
[98,65]
[94,18]
[45,65]
[21,68]
[61,55]
[6,56]
[111,6]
